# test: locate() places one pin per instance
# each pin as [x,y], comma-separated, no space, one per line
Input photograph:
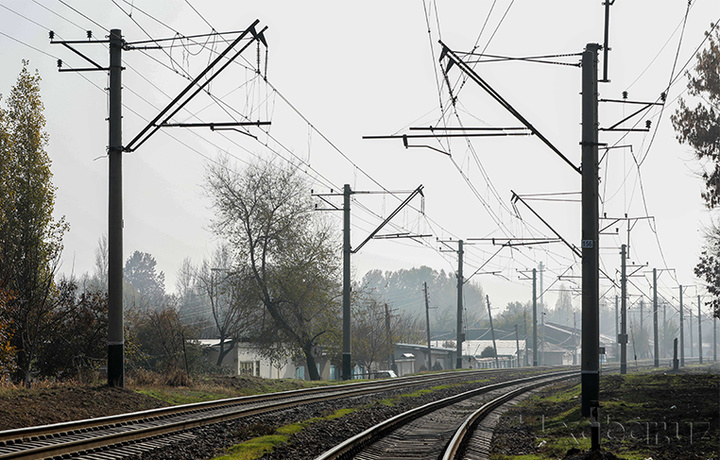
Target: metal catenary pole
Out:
[623,313]
[517,346]
[116,341]
[699,331]
[714,339]
[535,338]
[617,327]
[690,328]
[460,282]
[590,362]
[682,332]
[655,320]
[346,352]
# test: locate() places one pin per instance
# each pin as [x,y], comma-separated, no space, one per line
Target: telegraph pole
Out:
[590,361]
[655,319]
[347,250]
[427,325]
[623,313]
[492,332]
[535,339]
[460,282]
[699,332]
[682,333]
[116,340]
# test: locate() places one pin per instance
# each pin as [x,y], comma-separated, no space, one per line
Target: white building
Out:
[245,359]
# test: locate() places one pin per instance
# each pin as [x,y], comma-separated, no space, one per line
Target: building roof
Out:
[504,347]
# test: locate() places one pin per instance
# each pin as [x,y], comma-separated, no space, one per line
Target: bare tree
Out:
[229,306]
[286,250]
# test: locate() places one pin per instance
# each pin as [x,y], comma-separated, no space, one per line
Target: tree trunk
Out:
[310,361]
[224,352]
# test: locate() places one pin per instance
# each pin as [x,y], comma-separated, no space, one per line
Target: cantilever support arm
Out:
[178,103]
[454,59]
[392,214]
[575,250]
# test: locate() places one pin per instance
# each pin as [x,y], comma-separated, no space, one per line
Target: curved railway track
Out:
[424,432]
[143,431]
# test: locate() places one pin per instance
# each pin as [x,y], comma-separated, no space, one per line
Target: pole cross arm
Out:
[573,248]
[186,95]
[454,59]
[392,214]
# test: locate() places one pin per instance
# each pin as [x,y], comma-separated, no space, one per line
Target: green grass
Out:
[254,448]
[257,447]
[176,396]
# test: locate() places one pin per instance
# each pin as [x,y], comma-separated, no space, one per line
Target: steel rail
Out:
[349,447]
[463,433]
[92,434]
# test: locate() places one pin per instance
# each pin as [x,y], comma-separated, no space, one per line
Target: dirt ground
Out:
[662,415]
[41,406]
[53,403]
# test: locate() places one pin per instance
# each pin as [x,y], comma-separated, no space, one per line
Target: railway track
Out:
[143,431]
[424,432]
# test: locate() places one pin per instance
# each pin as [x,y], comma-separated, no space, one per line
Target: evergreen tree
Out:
[30,240]
[699,127]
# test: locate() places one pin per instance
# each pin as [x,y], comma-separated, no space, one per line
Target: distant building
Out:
[507,351]
[245,359]
[412,358]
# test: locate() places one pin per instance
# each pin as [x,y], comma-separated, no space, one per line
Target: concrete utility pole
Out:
[460,282]
[590,361]
[690,315]
[642,315]
[656,350]
[535,338]
[346,371]
[699,331]
[116,341]
[526,359]
[714,338]
[542,341]
[574,338]
[427,325]
[391,353]
[541,268]
[682,333]
[492,332]
[517,346]
[623,312]
[116,336]
[617,329]
[663,341]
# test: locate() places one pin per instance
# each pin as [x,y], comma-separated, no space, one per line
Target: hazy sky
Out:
[337,71]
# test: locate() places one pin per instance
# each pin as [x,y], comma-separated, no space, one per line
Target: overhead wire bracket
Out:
[181,100]
[454,59]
